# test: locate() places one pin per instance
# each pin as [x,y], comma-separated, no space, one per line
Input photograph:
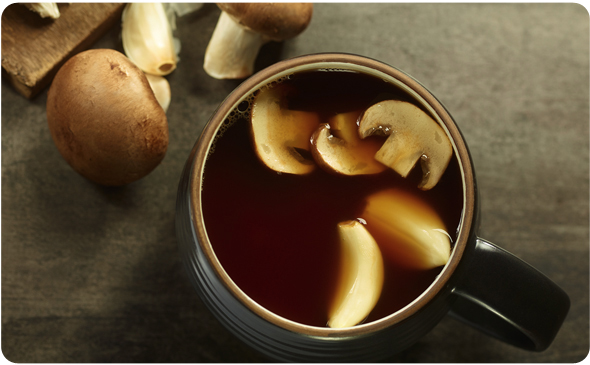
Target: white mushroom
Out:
[336,147]
[243,28]
[281,136]
[413,135]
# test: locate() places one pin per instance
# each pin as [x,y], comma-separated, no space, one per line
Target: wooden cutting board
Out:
[34,48]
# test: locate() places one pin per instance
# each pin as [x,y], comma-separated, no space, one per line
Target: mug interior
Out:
[336,62]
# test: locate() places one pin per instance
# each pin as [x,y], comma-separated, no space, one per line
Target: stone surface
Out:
[92,274]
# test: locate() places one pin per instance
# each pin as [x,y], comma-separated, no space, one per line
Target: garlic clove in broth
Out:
[161,89]
[410,232]
[45,10]
[361,276]
[147,38]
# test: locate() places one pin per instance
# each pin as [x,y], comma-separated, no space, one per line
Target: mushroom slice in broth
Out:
[337,148]
[282,136]
[413,135]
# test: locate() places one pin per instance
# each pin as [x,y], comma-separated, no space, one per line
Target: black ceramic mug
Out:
[481,285]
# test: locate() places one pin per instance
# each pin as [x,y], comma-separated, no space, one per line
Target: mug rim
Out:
[269,74]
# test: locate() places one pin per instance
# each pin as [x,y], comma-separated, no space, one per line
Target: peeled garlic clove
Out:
[361,276]
[161,89]
[45,10]
[410,232]
[147,38]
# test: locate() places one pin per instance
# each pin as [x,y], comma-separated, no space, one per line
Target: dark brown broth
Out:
[276,234]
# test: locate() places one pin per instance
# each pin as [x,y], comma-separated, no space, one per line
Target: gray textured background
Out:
[92,274]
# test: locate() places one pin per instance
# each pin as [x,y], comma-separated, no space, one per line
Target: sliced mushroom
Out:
[243,28]
[281,136]
[410,232]
[361,276]
[336,147]
[413,135]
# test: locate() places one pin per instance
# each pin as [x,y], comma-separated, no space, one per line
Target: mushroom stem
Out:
[232,50]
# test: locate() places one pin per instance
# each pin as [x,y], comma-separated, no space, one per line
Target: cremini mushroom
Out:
[413,135]
[337,147]
[243,28]
[104,118]
[281,136]
[409,231]
[360,276]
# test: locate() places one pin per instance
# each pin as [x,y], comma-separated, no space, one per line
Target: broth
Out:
[276,234]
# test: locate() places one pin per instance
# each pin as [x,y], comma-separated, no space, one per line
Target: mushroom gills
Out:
[412,136]
[337,147]
[281,136]
[361,276]
[409,231]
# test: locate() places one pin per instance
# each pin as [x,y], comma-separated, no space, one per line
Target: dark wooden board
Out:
[33,48]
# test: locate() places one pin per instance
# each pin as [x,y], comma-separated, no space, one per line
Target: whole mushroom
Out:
[104,118]
[243,28]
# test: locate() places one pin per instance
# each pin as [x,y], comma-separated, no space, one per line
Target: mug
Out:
[482,285]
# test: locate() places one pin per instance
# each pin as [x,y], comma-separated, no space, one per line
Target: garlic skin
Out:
[161,89]
[177,10]
[147,38]
[45,10]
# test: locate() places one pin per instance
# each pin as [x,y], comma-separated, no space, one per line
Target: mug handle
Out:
[504,297]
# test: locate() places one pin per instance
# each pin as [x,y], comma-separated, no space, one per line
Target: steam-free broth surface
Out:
[276,234]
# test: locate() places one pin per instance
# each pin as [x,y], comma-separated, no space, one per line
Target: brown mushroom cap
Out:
[104,118]
[276,21]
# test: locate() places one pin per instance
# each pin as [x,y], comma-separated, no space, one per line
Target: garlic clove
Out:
[45,10]
[361,276]
[147,38]
[161,89]
[409,231]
